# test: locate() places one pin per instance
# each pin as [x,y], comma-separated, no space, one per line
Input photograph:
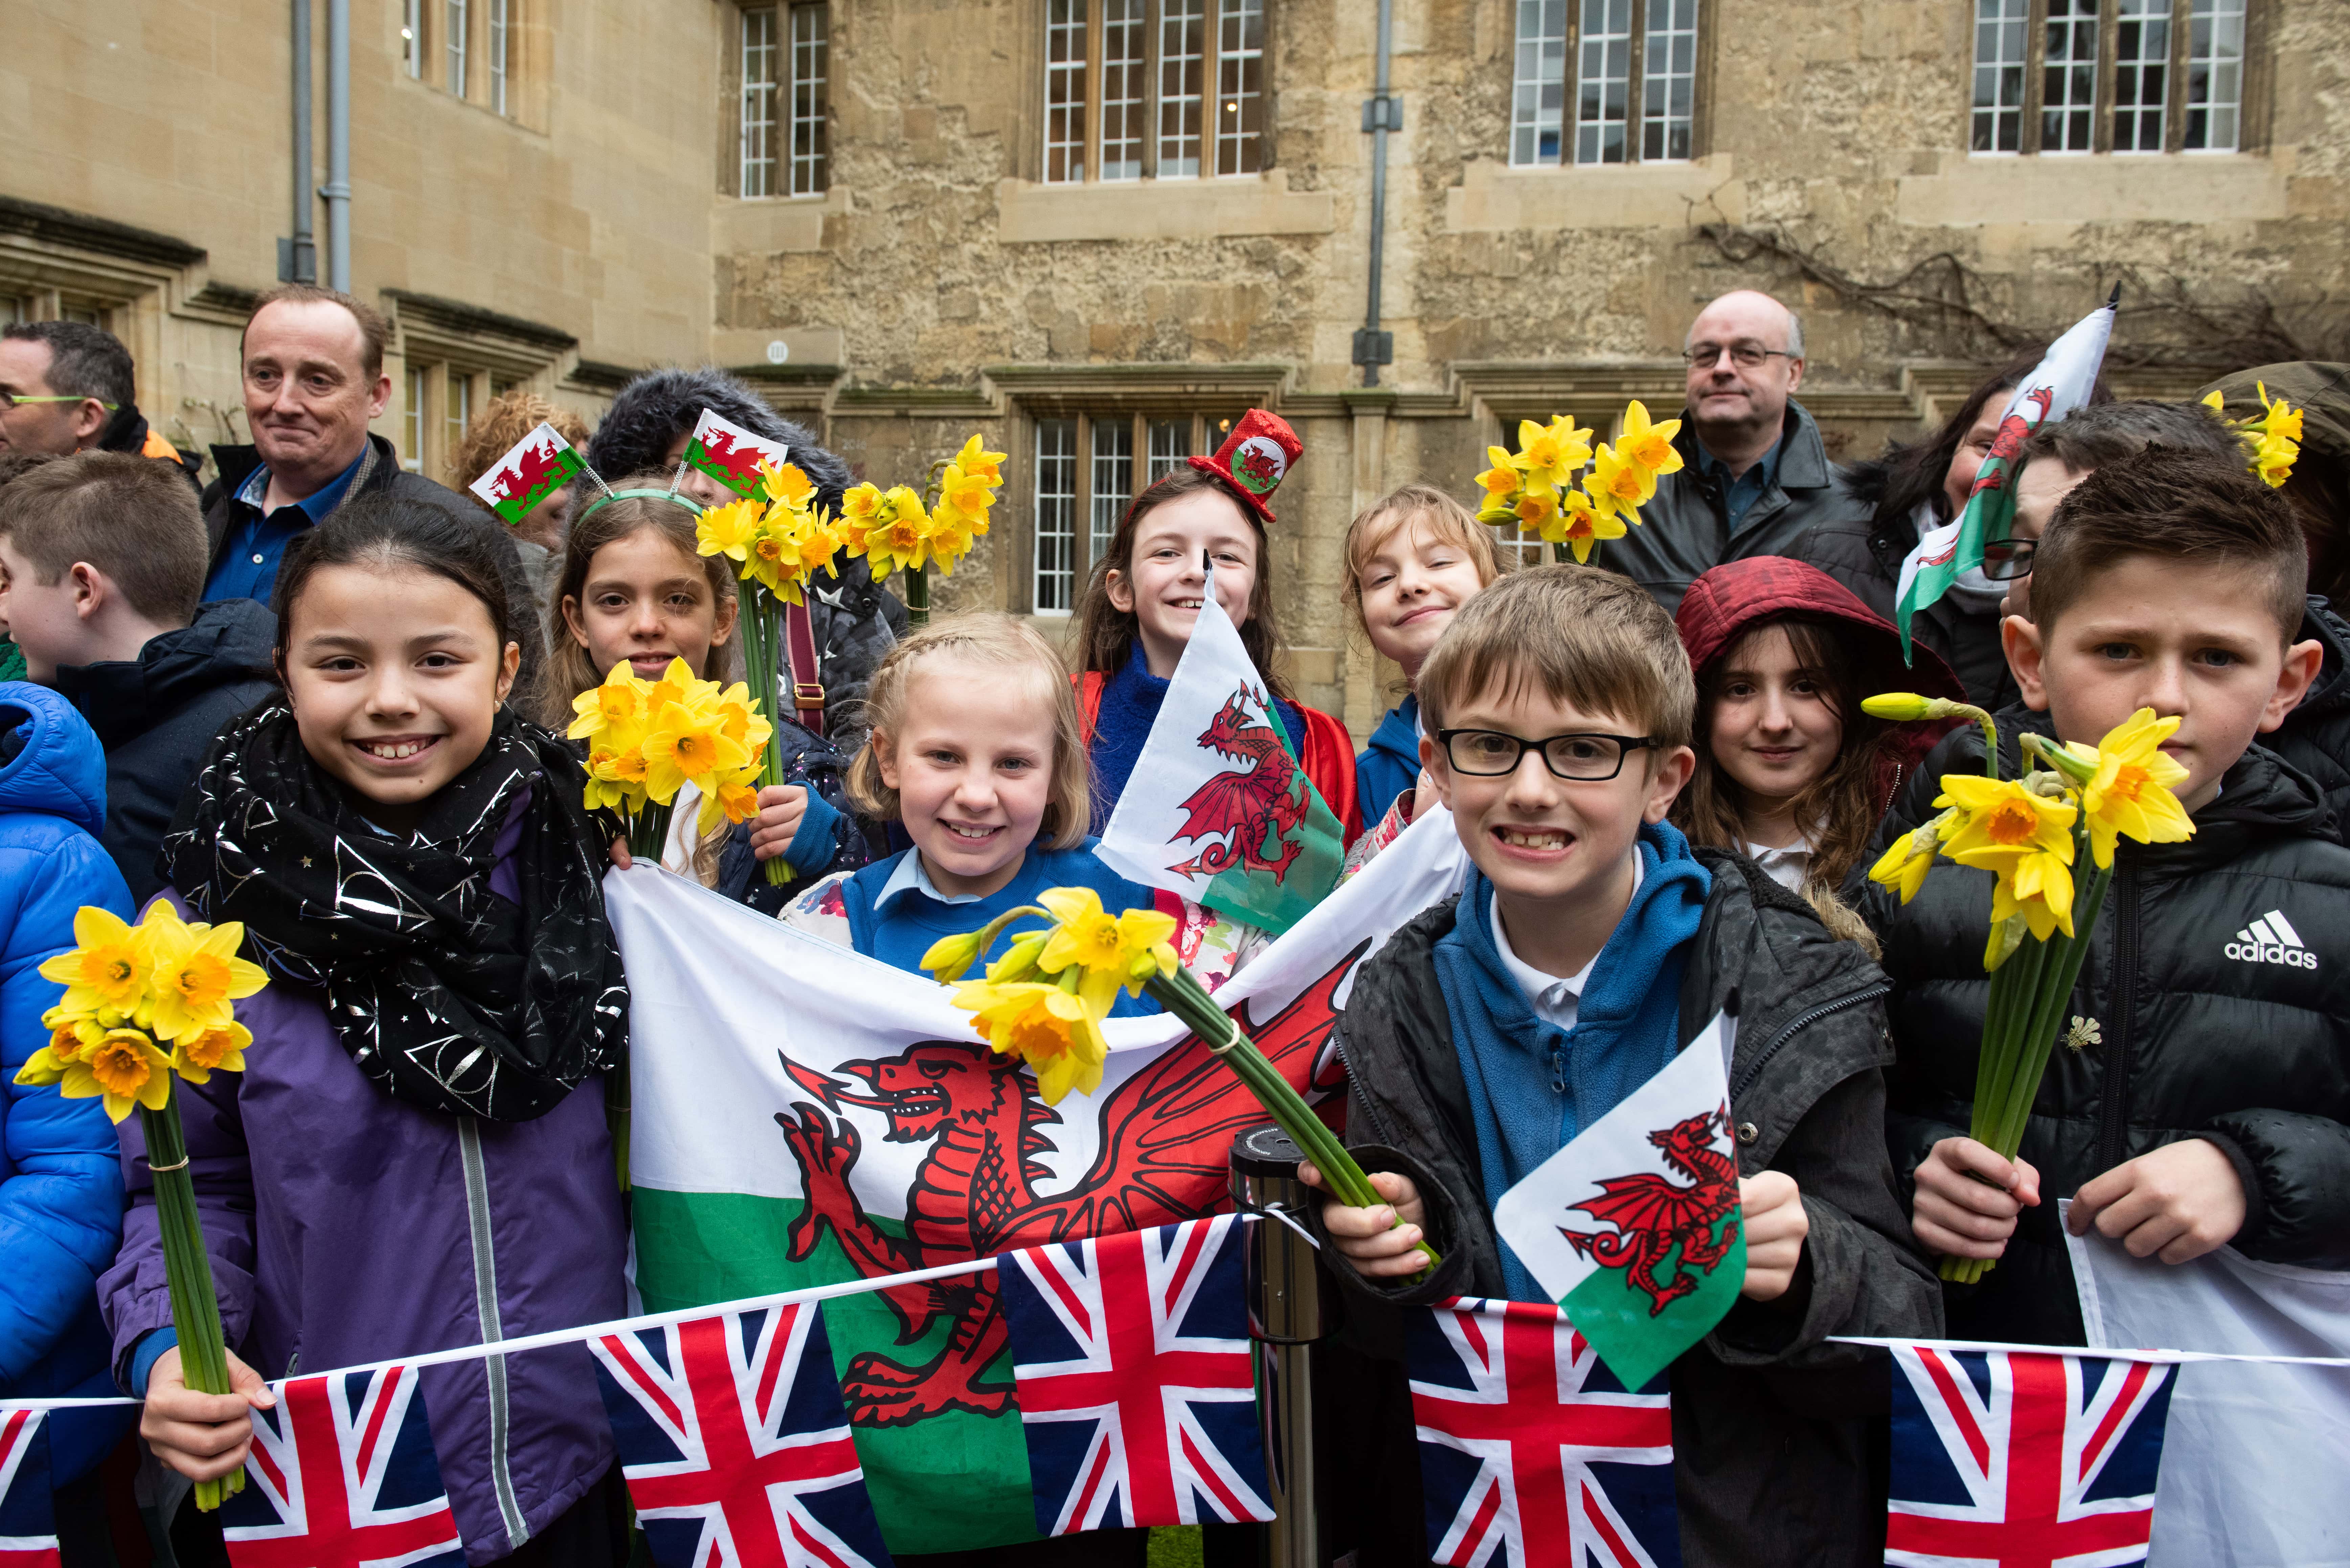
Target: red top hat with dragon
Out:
[1254,459]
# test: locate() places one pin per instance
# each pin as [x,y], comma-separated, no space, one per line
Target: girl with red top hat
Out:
[1146,593]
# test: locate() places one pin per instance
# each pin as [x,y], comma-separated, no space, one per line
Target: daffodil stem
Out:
[1182,995]
[917,596]
[1990,742]
[195,1311]
[763,642]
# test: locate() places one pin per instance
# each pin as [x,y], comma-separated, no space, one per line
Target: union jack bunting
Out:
[1531,1451]
[341,1474]
[27,1524]
[1135,1379]
[2013,1457]
[734,1443]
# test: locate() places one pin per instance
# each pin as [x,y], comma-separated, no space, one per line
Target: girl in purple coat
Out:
[415,1157]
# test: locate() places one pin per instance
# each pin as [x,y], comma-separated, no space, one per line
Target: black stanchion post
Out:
[1286,1315]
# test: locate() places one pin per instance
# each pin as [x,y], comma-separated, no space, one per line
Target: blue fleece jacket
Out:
[60,1167]
[1391,765]
[1533,1085]
[899,929]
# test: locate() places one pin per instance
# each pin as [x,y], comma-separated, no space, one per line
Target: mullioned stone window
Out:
[1165,90]
[2057,78]
[1631,95]
[783,132]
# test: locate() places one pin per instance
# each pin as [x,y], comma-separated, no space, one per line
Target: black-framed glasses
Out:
[1745,355]
[2004,560]
[1581,758]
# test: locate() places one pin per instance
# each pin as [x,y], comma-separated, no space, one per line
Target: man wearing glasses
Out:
[1754,476]
[66,387]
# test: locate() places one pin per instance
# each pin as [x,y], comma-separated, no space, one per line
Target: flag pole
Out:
[1286,1315]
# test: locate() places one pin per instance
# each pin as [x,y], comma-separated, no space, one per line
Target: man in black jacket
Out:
[2203,1095]
[313,374]
[105,555]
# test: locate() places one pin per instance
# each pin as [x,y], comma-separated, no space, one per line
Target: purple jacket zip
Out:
[346,1227]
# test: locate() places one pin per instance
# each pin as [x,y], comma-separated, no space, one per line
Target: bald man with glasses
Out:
[1754,475]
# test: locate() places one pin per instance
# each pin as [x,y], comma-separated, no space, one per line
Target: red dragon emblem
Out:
[741,465]
[538,468]
[2009,440]
[1251,811]
[1167,1135]
[1652,1216]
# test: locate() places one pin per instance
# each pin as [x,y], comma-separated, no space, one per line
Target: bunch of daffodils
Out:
[2274,439]
[1043,1003]
[899,529]
[1535,488]
[647,738]
[2035,835]
[145,1006]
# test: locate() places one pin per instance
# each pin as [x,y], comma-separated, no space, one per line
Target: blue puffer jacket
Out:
[60,1171]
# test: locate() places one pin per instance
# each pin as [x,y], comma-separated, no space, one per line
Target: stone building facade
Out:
[1094,230]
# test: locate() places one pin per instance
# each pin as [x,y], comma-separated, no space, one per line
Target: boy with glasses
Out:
[1590,946]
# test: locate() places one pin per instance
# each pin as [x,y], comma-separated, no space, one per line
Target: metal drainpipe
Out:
[302,257]
[338,188]
[1384,113]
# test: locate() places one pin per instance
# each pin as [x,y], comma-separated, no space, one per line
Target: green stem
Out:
[917,596]
[1188,1000]
[649,832]
[187,1270]
[763,639]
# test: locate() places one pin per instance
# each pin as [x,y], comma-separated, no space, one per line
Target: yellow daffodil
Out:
[194,975]
[1651,445]
[987,466]
[2130,794]
[965,495]
[1902,707]
[950,957]
[676,683]
[2278,420]
[614,705]
[1503,480]
[688,740]
[729,529]
[1054,1031]
[1113,951]
[731,800]
[70,1034]
[1904,865]
[2273,459]
[107,969]
[1019,959]
[1620,485]
[1536,512]
[197,1057]
[1582,525]
[2038,888]
[123,1070]
[1551,455]
[789,484]
[2024,839]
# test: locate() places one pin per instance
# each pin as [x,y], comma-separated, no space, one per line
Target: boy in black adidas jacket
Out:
[2204,1096]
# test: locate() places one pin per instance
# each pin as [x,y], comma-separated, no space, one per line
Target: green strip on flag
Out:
[533,469]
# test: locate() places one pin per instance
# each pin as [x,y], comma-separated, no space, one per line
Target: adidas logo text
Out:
[2271,939]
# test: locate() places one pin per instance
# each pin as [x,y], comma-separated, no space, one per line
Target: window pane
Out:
[811,61]
[2141,74]
[1064,90]
[1538,101]
[1124,81]
[411,37]
[456,26]
[2215,76]
[759,103]
[458,412]
[1668,80]
[2068,78]
[498,54]
[1998,75]
[1603,81]
[1171,443]
[1239,86]
[1182,84]
[1113,479]
[412,418]
[1056,511]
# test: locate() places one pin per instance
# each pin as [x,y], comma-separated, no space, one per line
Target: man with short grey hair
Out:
[1754,474]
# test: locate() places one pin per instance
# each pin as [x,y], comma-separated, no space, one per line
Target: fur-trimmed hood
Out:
[654,409]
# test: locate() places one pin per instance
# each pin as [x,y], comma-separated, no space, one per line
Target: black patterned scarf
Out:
[447,994]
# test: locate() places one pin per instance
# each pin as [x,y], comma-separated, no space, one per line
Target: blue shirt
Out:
[256,541]
[895,913]
[1739,494]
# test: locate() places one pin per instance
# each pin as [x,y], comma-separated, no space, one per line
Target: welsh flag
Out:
[1218,809]
[731,454]
[2061,382]
[533,469]
[1633,1227]
[802,1115]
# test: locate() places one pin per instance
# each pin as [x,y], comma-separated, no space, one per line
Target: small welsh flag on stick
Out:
[1633,1228]
[533,469]
[731,454]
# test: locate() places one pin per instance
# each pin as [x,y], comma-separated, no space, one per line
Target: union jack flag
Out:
[1135,1379]
[735,1445]
[27,1522]
[341,1474]
[2018,1457]
[1531,1451]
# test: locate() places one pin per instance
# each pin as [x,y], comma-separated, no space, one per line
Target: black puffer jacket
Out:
[1775,1435]
[2315,736]
[157,714]
[2252,1053]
